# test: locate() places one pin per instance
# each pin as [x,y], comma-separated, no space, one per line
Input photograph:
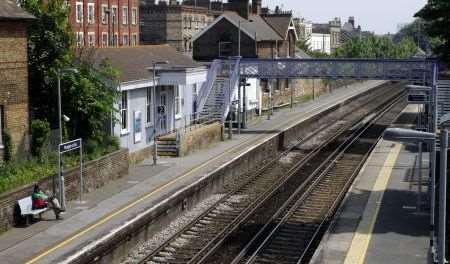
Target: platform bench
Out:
[26,209]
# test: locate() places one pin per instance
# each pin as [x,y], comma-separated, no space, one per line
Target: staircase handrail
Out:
[232,85]
[208,85]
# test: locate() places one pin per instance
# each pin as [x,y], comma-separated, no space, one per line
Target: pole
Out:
[442,196]
[81,171]
[292,96]
[244,104]
[419,179]
[62,197]
[432,122]
[239,39]
[155,143]
[269,103]
[239,108]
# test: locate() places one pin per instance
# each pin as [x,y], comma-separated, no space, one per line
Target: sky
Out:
[381,16]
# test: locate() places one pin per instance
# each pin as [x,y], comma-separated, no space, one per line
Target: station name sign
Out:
[69,146]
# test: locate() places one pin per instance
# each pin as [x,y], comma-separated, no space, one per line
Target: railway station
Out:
[259,137]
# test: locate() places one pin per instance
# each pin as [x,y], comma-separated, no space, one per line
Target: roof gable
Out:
[281,23]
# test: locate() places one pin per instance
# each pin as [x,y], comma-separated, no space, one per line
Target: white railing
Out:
[231,89]
[208,85]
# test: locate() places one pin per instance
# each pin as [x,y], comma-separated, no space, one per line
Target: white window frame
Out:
[124,113]
[134,15]
[91,16]
[105,17]
[116,40]
[1,126]
[79,12]
[105,44]
[127,43]
[134,40]
[114,15]
[79,39]
[178,102]
[149,106]
[91,34]
[125,17]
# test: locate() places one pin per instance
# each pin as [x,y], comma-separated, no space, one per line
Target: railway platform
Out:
[379,221]
[147,186]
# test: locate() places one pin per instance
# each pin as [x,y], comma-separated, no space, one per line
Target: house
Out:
[350,31]
[177,85]
[104,23]
[14,110]
[321,38]
[174,23]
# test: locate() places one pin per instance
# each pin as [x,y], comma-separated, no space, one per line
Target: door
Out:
[163,114]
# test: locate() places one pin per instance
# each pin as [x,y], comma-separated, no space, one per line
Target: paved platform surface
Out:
[145,186]
[379,222]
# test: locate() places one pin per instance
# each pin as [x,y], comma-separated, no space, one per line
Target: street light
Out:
[155,144]
[413,136]
[62,199]
[445,124]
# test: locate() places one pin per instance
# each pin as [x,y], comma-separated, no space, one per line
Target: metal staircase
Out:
[443,98]
[216,95]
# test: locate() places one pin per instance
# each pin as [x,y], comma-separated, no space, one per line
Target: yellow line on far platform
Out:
[360,243]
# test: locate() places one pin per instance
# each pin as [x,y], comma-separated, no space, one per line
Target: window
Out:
[149,105]
[194,89]
[124,111]
[91,39]
[185,19]
[116,40]
[104,39]
[196,22]
[105,17]
[80,39]
[79,12]
[134,16]
[1,125]
[177,101]
[91,15]
[126,40]
[225,49]
[134,40]
[114,15]
[190,22]
[125,15]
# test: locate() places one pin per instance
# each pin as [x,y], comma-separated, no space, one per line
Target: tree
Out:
[437,15]
[376,47]
[49,48]
[416,31]
[88,96]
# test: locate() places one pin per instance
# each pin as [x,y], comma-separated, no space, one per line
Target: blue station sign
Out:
[69,146]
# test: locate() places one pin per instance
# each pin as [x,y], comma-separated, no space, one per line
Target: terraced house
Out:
[105,23]
[14,110]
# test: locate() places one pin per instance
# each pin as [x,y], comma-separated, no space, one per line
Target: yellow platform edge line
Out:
[360,243]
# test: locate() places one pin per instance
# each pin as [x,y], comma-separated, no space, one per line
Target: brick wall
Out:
[14,83]
[98,27]
[96,174]
[201,137]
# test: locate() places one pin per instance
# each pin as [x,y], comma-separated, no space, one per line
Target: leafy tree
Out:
[88,97]
[416,31]
[437,15]
[49,48]
[376,47]
[40,131]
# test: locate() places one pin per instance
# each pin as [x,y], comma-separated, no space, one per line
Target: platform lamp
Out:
[418,137]
[445,125]
[155,143]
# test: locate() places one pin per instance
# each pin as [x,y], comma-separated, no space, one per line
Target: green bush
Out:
[9,146]
[40,131]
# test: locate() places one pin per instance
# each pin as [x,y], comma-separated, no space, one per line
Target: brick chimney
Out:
[256,7]
[351,20]
[241,7]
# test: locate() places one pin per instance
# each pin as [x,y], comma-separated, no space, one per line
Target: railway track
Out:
[197,241]
[290,235]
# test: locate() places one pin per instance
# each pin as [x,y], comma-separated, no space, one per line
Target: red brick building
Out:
[104,23]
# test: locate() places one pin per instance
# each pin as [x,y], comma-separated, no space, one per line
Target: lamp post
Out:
[413,136]
[155,144]
[445,124]
[62,197]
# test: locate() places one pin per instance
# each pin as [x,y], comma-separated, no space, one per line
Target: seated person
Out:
[40,200]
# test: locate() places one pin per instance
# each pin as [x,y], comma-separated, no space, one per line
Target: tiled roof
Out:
[10,11]
[280,23]
[321,28]
[133,62]
[255,24]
